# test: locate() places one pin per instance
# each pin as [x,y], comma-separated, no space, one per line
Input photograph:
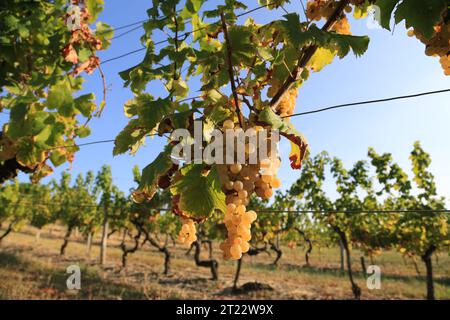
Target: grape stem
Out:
[306,56]
[230,70]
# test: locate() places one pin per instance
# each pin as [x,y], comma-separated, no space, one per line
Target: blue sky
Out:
[394,65]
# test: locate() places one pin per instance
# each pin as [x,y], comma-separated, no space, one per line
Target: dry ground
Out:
[31,269]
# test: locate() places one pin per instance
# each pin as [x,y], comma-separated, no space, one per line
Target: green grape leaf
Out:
[43,135]
[60,98]
[85,104]
[43,172]
[330,40]
[386,9]
[421,15]
[58,158]
[130,138]
[344,43]
[217,113]
[200,191]
[178,88]
[83,131]
[243,49]
[94,7]
[29,154]
[179,120]
[149,114]
[151,173]
[104,32]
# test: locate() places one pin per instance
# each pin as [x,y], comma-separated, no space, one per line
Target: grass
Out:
[35,270]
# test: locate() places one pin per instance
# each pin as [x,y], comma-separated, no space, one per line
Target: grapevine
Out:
[438,45]
[42,61]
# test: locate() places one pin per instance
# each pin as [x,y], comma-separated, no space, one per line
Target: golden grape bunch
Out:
[187,234]
[323,9]
[438,45]
[239,182]
[286,106]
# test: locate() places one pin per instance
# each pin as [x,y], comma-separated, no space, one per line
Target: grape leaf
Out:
[200,191]
[83,132]
[179,120]
[386,9]
[286,129]
[29,154]
[320,59]
[243,49]
[149,113]
[313,35]
[151,173]
[421,15]
[129,139]
[94,7]
[217,113]
[60,98]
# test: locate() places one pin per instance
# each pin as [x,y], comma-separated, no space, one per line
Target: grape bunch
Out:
[287,104]
[342,26]
[239,182]
[323,9]
[238,223]
[438,45]
[187,234]
[318,9]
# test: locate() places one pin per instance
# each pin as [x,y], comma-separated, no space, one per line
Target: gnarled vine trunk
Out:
[355,288]
[62,251]
[429,267]
[310,246]
[7,231]
[211,263]
[111,233]
[207,242]
[163,249]
[237,274]
[210,247]
[156,244]
[416,266]
[342,254]
[278,251]
[254,251]
[363,265]
[125,250]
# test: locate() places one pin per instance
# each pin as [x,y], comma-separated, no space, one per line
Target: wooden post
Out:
[104,243]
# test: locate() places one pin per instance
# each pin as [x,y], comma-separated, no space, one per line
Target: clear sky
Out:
[394,65]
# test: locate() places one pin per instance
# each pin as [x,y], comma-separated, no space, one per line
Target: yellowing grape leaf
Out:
[297,155]
[287,130]
[321,58]
[28,153]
